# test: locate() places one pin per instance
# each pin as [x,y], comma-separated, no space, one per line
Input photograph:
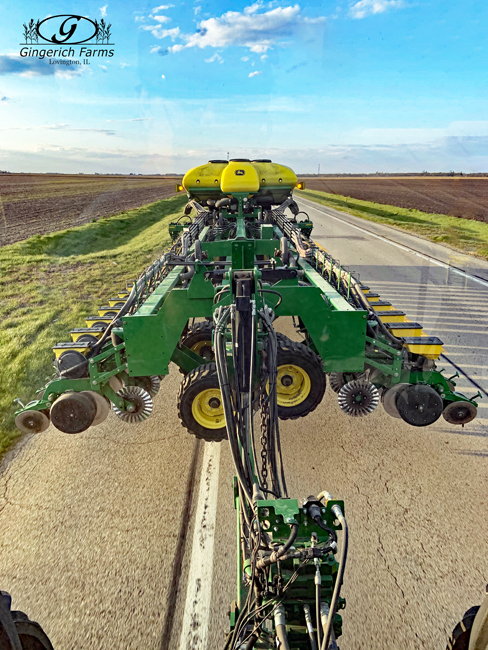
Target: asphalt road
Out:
[98,530]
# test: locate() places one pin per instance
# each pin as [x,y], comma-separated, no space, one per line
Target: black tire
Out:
[459,639]
[31,634]
[198,334]
[198,380]
[297,354]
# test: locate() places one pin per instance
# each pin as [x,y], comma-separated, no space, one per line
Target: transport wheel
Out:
[200,406]
[389,397]
[419,405]
[32,422]
[339,379]
[199,340]
[73,412]
[460,412]
[31,634]
[300,381]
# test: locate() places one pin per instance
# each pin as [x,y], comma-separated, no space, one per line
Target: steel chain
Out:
[264,439]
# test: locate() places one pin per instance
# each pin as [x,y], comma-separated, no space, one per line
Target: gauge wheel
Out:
[200,406]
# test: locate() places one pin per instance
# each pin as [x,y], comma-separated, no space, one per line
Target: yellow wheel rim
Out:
[206,411]
[293,385]
[198,347]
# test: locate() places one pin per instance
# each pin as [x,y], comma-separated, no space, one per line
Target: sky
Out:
[350,85]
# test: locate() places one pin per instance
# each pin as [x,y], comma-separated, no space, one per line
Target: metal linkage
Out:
[292,232]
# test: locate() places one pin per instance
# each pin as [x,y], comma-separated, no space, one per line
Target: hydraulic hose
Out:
[339,578]
[280,627]
[308,621]
[275,555]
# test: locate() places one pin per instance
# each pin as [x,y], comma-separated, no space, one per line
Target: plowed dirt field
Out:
[32,204]
[454,196]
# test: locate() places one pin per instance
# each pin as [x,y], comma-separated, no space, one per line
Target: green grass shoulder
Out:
[50,283]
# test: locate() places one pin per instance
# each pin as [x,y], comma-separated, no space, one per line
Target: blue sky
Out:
[355,86]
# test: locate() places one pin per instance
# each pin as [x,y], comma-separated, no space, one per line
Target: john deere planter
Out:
[242,256]
[242,222]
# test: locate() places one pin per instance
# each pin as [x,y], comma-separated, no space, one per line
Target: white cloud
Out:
[161,19]
[124,65]
[255,73]
[214,58]
[264,57]
[365,8]
[161,8]
[163,77]
[30,67]
[244,58]
[133,119]
[140,19]
[196,10]
[159,32]
[251,29]
[104,67]
[58,127]
[103,11]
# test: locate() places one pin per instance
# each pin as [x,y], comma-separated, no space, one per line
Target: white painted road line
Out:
[194,632]
[464,274]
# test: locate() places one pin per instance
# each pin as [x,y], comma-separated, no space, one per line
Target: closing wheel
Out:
[151,384]
[200,406]
[32,422]
[358,398]
[389,397]
[460,412]
[141,404]
[73,412]
[339,379]
[419,405]
[300,381]
[199,340]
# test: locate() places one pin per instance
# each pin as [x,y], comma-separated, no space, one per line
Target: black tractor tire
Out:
[199,339]
[297,354]
[31,634]
[460,637]
[203,378]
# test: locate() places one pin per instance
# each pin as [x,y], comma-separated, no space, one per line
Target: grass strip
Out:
[50,283]
[466,235]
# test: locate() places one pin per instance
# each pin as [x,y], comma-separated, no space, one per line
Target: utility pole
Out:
[227,156]
[318,173]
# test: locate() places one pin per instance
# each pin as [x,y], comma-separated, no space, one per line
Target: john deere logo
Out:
[240,172]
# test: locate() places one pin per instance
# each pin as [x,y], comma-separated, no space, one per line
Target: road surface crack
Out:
[382,554]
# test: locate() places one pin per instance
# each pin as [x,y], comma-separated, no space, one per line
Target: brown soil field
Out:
[454,196]
[36,204]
